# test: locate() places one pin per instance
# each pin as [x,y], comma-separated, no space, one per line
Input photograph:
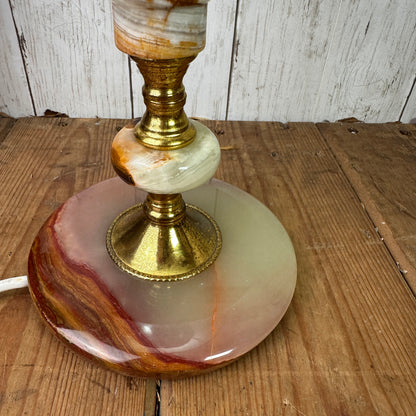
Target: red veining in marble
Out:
[144,328]
[72,296]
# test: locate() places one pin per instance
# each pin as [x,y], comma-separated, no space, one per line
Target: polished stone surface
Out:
[166,329]
[160,29]
[166,171]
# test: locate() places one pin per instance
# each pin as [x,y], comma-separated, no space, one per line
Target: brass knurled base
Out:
[152,241]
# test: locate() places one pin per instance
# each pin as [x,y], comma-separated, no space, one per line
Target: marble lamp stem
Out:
[164,153]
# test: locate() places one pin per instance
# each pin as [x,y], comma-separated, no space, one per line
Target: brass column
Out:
[163,239]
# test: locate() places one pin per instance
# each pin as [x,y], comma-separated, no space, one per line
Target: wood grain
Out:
[347,343]
[380,164]
[303,61]
[323,60]
[207,82]
[6,125]
[44,161]
[72,63]
[277,67]
[376,64]
[14,89]
[409,110]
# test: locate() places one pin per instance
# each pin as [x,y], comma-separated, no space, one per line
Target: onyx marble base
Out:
[161,329]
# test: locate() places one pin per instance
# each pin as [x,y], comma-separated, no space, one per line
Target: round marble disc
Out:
[161,329]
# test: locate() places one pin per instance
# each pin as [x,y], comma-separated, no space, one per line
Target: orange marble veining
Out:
[118,161]
[179,3]
[123,151]
[156,48]
[79,308]
[165,171]
[163,29]
[188,44]
[143,328]
[163,159]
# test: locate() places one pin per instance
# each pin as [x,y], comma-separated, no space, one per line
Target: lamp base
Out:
[161,329]
[143,245]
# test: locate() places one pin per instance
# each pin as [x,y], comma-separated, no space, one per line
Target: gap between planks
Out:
[151,387]
[154,392]
[381,222]
[39,374]
[343,345]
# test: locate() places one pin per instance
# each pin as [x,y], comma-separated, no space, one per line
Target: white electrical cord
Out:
[13,283]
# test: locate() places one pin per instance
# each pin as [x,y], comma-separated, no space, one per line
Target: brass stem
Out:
[164,125]
[157,241]
[163,239]
[164,209]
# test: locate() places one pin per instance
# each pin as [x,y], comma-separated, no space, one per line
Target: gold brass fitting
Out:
[164,209]
[164,125]
[164,239]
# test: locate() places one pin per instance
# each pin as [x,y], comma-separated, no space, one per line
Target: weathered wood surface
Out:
[70,64]
[299,61]
[409,110]
[14,90]
[5,126]
[43,162]
[348,341]
[329,60]
[381,165]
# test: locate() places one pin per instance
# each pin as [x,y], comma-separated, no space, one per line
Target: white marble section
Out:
[216,316]
[151,29]
[167,171]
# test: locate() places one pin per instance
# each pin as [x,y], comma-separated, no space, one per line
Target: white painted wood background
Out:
[281,60]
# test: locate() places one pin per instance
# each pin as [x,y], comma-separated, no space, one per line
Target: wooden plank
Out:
[206,81]
[15,97]
[72,63]
[323,61]
[377,65]
[6,125]
[380,161]
[208,76]
[44,161]
[347,343]
[409,111]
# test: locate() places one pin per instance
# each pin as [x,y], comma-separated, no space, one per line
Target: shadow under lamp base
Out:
[161,329]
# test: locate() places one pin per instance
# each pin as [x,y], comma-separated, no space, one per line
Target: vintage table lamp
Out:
[131,276]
